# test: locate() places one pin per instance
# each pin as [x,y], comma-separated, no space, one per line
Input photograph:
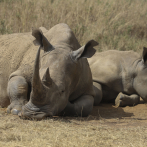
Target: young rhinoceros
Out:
[61,83]
[119,76]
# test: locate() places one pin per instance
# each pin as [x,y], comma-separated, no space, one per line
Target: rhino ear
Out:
[85,51]
[144,55]
[41,40]
[46,80]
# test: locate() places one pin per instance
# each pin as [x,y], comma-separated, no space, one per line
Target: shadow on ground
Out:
[109,112]
[103,111]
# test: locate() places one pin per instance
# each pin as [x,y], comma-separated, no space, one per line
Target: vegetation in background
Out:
[120,25]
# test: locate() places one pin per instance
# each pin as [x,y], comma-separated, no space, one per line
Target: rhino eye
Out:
[62,91]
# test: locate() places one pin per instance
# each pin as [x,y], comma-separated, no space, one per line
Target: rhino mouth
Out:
[31,111]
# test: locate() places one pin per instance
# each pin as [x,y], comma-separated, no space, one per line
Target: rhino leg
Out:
[125,100]
[98,93]
[80,107]
[4,99]
[17,91]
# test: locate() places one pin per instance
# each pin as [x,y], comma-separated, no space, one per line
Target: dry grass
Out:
[73,132]
[120,25]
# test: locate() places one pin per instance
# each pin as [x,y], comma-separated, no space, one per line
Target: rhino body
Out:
[119,76]
[56,81]
[17,58]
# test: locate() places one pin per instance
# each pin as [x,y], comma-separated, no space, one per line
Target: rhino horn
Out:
[36,82]
[46,80]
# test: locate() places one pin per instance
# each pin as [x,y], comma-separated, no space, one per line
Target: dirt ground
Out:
[107,115]
[120,116]
[106,126]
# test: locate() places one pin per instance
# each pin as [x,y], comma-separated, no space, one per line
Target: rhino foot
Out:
[15,107]
[123,100]
[80,107]
[118,101]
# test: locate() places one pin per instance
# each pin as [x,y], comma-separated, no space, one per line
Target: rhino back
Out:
[113,68]
[13,49]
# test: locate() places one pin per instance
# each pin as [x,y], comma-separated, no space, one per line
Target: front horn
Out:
[36,82]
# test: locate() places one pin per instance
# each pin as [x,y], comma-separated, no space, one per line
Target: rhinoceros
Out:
[119,76]
[56,81]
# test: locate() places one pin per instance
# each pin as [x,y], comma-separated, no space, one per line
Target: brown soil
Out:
[111,116]
[106,115]
[106,126]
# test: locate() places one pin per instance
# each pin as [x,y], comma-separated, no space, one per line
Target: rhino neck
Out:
[84,82]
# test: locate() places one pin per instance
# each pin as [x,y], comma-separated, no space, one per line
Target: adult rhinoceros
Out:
[62,82]
[119,76]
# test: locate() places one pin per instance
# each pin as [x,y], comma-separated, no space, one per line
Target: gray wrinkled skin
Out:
[119,76]
[56,81]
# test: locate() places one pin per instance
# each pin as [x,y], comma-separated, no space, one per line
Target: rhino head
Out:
[140,80]
[55,79]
